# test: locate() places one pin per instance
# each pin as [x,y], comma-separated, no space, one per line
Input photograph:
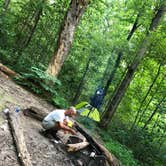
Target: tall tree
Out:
[80,86]
[120,54]
[66,35]
[29,27]
[143,100]
[153,113]
[116,99]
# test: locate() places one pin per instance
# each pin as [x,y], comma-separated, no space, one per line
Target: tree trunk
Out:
[28,27]
[6,4]
[14,122]
[32,30]
[151,99]
[66,35]
[117,63]
[134,27]
[116,99]
[80,86]
[153,113]
[120,54]
[142,102]
[7,71]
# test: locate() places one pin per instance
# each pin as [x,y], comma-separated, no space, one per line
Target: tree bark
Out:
[66,35]
[116,99]
[142,102]
[80,86]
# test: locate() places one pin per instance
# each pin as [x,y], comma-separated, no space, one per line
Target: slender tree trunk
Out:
[116,99]
[28,28]
[153,113]
[155,124]
[66,35]
[142,102]
[106,71]
[80,86]
[134,27]
[109,81]
[120,54]
[33,28]
[6,4]
[147,105]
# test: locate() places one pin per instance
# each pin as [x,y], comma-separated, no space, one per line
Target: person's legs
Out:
[51,129]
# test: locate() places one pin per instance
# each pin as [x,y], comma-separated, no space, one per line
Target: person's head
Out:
[71,111]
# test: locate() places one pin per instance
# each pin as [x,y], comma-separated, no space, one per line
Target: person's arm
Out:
[64,127]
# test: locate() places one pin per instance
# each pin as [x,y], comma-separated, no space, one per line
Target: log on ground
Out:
[7,71]
[77,146]
[14,121]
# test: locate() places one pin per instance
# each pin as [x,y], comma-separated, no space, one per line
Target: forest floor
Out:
[41,151]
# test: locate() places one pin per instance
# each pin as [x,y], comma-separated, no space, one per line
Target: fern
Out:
[39,81]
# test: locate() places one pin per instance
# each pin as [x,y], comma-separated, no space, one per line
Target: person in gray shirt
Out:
[57,119]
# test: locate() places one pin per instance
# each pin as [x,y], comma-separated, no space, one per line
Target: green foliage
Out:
[120,151]
[60,101]
[39,81]
[143,143]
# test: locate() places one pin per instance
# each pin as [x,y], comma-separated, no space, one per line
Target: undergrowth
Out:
[39,82]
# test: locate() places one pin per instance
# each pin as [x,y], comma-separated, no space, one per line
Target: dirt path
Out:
[42,152]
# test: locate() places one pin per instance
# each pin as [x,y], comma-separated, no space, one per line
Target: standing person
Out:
[57,119]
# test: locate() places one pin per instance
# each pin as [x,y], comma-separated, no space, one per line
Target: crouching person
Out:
[57,119]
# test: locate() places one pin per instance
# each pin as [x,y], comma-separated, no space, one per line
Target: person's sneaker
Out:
[55,141]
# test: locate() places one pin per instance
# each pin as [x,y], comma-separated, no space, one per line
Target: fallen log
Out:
[14,122]
[3,75]
[34,112]
[100,149]
[77,146]
[7,71]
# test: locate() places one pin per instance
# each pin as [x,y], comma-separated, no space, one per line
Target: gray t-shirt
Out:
[57,115]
